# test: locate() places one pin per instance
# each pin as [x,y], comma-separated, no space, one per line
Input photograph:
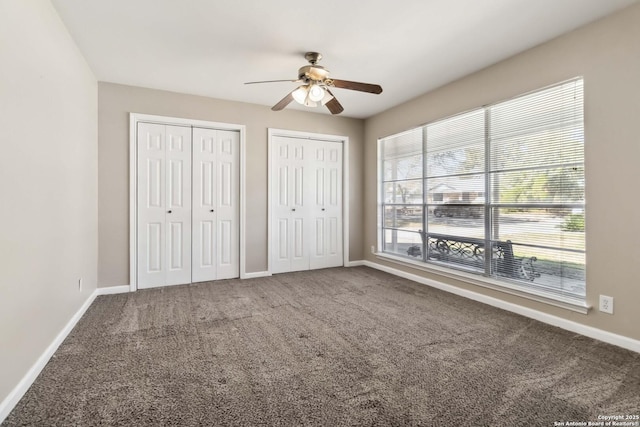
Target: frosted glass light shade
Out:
[311,95]
[300,94]
[316,93]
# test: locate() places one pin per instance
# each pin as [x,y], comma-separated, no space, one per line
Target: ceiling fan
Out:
[316,82]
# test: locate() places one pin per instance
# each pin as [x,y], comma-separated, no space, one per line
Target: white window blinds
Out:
[498,191]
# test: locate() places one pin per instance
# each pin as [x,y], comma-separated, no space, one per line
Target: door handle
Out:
[168,211]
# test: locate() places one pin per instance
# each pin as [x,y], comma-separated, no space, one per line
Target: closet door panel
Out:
[326,208]
[228,204]
[334,207]
[204,204]
[280,166]
[151,200]
[290,193]
[178,215]
[216,251]
[302,193]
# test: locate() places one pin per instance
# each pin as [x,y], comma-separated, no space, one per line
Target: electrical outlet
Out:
[606,304]
[80,284]
[373,249]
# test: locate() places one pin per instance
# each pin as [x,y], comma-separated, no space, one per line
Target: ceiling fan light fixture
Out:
[311,95]
[316,93]
[300,94]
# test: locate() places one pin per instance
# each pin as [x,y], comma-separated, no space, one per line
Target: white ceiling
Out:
[409,47]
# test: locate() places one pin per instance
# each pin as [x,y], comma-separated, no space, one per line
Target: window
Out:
[497,191]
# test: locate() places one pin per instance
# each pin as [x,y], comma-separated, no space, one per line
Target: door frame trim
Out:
[272,132]
[134,119]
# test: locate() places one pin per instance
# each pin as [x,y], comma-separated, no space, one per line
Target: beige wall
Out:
[115,104]
[48,183]
[607,54]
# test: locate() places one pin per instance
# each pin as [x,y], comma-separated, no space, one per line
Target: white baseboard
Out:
[7,405]
[256,275]
[589,331]
[355,263]
[110,290]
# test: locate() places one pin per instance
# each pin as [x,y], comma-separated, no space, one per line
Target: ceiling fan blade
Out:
[284,101]
[362,87]
[272,81]
[333,105]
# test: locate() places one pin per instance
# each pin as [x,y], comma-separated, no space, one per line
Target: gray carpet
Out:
[354,347]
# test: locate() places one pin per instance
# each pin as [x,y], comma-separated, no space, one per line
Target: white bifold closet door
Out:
[187,204]
[326,205]
[164,205]
[216,252]
[306,204]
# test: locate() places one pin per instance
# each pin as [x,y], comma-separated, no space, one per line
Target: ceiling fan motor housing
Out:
[314,73]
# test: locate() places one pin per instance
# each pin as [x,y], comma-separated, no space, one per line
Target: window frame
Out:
[488,275]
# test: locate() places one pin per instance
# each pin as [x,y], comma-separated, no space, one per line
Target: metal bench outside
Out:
[470,252]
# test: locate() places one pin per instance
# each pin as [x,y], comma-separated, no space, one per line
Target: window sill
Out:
[567,303]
